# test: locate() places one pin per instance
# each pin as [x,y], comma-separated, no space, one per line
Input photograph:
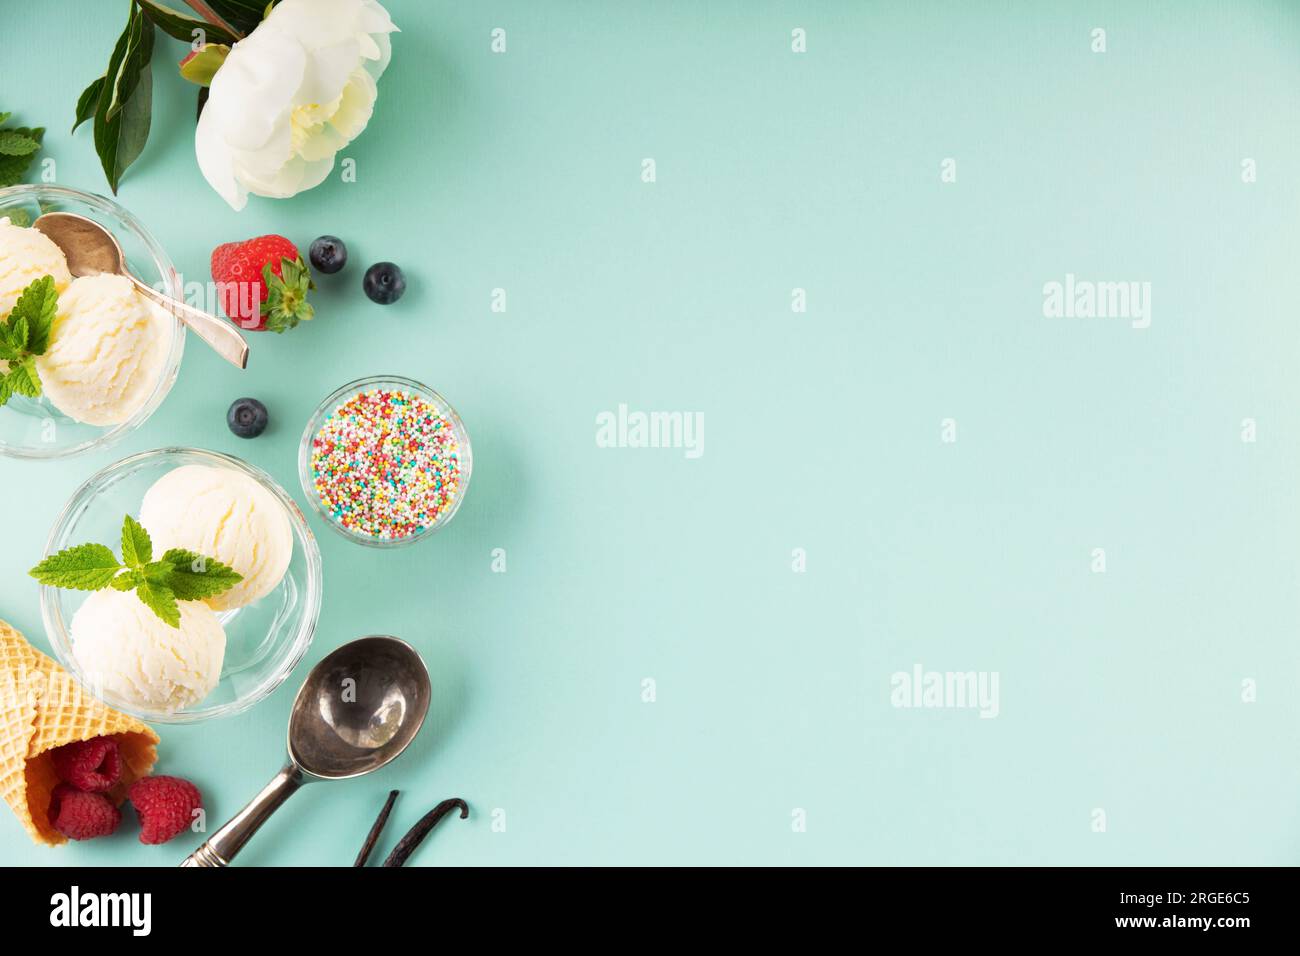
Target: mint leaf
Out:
[194,577]
[19,331]
[86,567]
[179,575]
[14,143]
[23,378]
[159,599]
[128,581]
[25,334]
[12,168]
[137,549]
[36,308]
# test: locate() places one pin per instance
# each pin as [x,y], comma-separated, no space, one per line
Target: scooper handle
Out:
[220,848]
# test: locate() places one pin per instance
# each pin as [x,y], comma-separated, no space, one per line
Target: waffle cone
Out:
[42,707]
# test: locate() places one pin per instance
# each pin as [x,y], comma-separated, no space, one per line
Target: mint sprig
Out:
[18,147]
[179,575]
[24,335]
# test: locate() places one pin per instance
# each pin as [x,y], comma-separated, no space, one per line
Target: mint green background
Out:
[777,170]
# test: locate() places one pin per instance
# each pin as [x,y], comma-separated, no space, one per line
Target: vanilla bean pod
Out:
[373,837]
[407,844]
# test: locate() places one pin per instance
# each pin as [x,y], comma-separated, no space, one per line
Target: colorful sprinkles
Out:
[385,464]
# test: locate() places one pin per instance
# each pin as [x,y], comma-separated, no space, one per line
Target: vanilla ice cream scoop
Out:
[122,646]
[107,351]
[224,514]
[25,256]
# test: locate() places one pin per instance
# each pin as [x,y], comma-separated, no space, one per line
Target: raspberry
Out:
[82,816]
[91,765]
[166,806]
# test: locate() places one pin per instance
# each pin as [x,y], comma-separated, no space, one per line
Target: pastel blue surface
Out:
[1119,691]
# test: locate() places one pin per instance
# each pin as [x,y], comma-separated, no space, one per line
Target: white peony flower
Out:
[290,95]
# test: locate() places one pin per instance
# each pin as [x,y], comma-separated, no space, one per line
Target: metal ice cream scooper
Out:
[357,711]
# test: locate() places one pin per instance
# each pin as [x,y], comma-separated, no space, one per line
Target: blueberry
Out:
[384,283]
[247,417]
[328,254]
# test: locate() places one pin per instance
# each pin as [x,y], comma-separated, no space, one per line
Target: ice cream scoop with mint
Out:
[145,636]
[107,346]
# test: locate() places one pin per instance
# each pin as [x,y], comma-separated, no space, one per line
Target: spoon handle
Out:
[222,336]
[220,848]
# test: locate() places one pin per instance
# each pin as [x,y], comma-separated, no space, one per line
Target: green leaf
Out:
[87,102]
[286,295]
[128,581]
[12,168]
[243,15]
[14,143]
[36,307]
[159,599]
[122,113]
[195,577]
[86,567]
[137,549]
[19,331]
[203,65]
[4,118]
[23,378]
[126,78]
[180,25]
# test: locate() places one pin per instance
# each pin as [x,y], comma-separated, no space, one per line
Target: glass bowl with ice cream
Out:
[175,637]
[111,356]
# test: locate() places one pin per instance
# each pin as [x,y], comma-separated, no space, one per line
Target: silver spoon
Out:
[356,711]
[92,250]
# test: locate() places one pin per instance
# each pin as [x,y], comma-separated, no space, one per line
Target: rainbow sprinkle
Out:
[385,464]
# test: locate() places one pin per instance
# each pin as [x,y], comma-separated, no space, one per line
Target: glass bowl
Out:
[265,640]
[325,411]
[33,427]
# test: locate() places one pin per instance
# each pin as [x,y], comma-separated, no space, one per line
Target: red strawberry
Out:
[262,283]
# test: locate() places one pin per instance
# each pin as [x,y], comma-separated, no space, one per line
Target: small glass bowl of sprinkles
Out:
[385,461]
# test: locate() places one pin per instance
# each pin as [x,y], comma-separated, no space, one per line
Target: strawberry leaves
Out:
[286,295]
[179,575]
